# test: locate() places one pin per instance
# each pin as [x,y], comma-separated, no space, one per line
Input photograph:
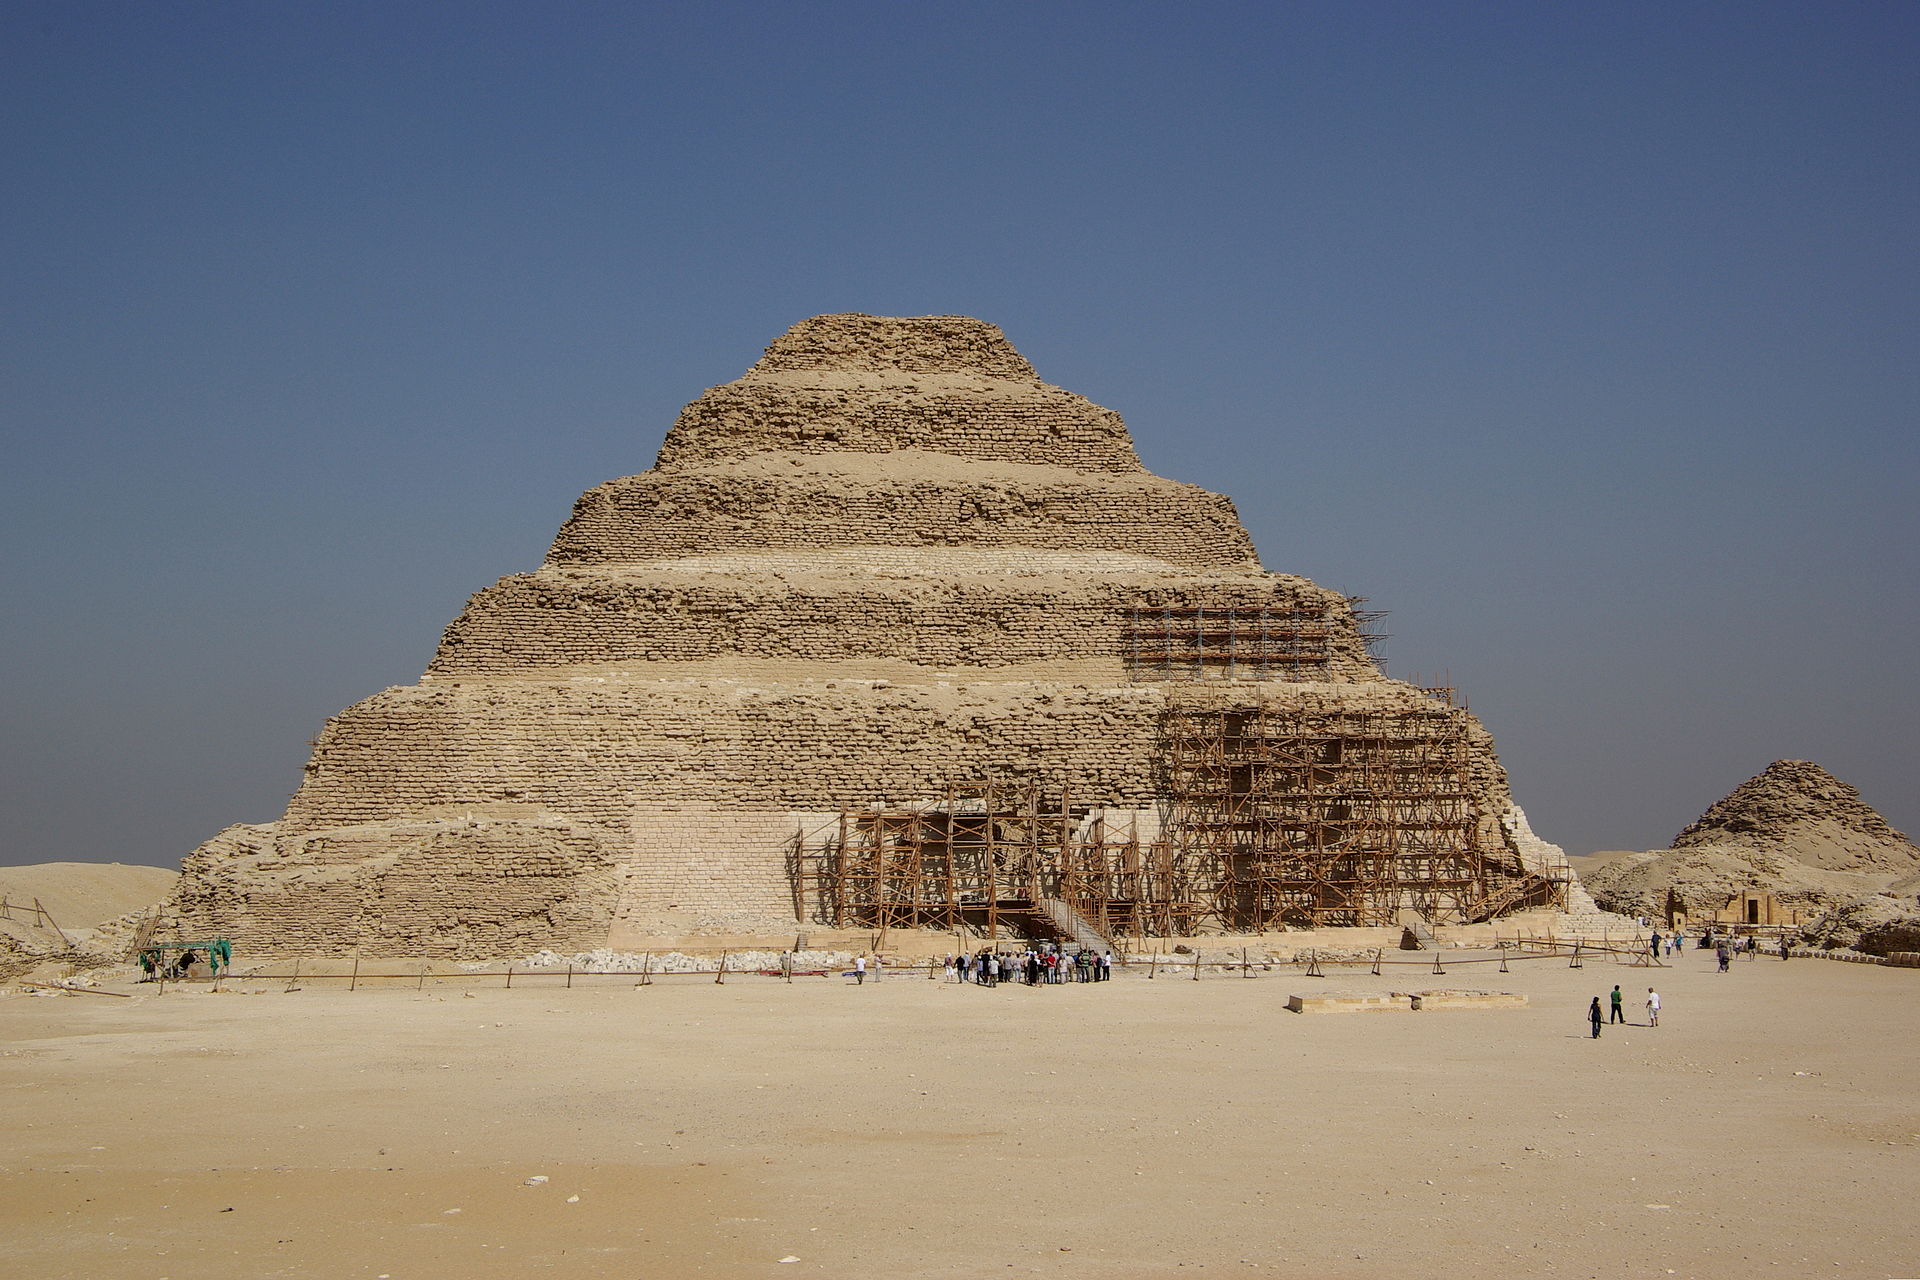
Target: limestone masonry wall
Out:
[590,750]
[1007,424]
[467,889]
[662,515]
[690,857]
[547,620]
[911,344]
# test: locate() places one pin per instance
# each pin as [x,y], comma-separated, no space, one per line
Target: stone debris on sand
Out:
[605,960]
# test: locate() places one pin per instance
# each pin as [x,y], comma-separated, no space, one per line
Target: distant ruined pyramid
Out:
[1793,830]
[893,633]
[1797,808]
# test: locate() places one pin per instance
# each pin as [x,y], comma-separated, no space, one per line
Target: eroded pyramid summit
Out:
[1798,808]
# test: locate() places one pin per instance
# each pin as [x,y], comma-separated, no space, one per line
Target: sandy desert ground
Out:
[1769,1126]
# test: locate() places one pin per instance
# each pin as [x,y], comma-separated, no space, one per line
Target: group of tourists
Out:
[1616,1001]
[1672,943]
[1725,949]
[1037,966]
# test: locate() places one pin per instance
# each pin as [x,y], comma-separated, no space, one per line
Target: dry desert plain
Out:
[1140,1128]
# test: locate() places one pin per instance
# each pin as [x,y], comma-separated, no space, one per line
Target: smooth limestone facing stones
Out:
[887,559]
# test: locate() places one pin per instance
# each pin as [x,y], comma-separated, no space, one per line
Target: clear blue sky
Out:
[1581,337]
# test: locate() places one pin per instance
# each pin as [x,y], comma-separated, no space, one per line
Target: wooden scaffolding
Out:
[994,857]
[1268,818]
[1335,818]
[1279,640]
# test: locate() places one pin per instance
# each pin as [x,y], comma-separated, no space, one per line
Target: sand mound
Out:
[79,896]
[83,894]
[1793,830]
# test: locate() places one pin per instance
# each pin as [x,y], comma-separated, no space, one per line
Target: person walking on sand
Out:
[1593,1016]
[1725,956]
[1653,1007]
[1653,945]
[860,970]
[1619,1014]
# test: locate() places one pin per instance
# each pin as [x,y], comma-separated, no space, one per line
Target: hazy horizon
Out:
[1582,341]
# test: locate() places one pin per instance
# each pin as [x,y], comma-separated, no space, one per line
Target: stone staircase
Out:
[1072,926]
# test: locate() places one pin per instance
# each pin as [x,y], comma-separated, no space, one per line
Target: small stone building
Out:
[1749,907]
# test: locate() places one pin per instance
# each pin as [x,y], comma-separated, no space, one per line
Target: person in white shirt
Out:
[1653,1007]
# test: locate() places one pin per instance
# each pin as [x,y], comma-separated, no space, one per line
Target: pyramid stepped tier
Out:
[593,750]
[942,609]
[693,788]
[913,497]
[884,562]
[994,421]
[864,384]
[851,345]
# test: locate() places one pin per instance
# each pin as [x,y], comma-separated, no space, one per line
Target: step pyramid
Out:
[887,558]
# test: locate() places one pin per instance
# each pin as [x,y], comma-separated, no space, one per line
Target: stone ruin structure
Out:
[1793,840]
[893,634]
